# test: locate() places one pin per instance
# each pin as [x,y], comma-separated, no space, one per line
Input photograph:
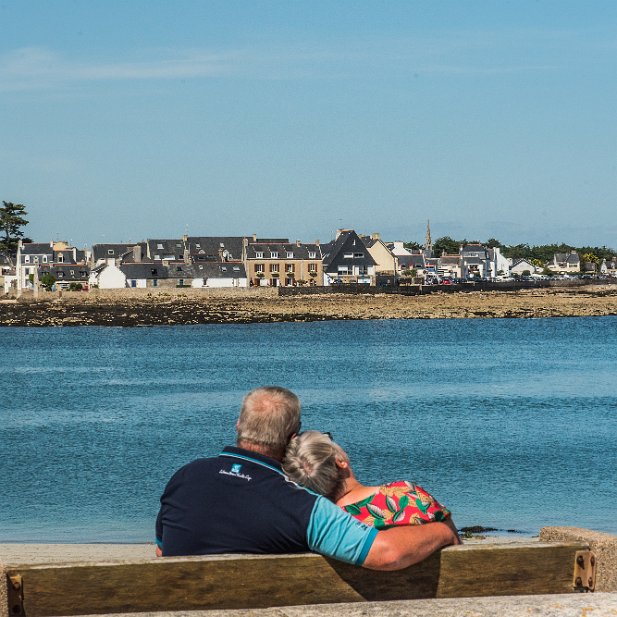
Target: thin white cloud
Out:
[35,68]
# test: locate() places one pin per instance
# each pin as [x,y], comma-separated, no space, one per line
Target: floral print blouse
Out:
[398,503]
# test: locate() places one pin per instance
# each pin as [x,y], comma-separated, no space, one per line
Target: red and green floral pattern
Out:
[398,503]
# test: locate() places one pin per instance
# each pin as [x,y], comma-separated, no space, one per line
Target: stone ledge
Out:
[570,605]
[604,545]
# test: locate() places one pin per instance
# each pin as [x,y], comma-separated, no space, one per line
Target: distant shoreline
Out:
[149,307]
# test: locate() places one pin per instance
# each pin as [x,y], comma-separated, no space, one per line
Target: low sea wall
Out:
[418,290]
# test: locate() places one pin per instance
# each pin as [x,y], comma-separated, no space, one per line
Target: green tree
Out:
[492,243]
[414,246]
[446,244]
[12,219]
[47,280]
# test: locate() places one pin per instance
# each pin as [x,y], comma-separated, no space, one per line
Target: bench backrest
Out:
[251,581]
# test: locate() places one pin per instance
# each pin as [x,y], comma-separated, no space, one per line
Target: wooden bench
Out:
[252,581]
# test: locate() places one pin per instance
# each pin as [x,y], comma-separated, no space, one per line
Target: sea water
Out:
[512,424]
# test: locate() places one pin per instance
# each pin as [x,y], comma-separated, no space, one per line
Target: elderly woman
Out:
[318,463]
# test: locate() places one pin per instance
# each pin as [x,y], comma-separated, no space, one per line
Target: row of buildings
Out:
[246,261]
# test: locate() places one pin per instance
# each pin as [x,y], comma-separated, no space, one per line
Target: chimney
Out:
[254,237]
[338,233]
[137,253]
[298,243]
[317,242]
[187,256]
[375,236]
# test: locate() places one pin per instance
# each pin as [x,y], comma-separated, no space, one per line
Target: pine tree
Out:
[12,219]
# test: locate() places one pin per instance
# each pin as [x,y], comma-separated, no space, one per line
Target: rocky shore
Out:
[185,307]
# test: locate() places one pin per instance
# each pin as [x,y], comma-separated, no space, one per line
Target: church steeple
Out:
[428,243]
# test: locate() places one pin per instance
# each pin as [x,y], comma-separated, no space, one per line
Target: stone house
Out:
[280,263]
[347,260]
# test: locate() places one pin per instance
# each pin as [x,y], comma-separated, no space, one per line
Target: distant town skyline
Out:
[126,121]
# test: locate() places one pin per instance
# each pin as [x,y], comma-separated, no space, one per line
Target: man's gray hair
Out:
[269,416]
[310,460]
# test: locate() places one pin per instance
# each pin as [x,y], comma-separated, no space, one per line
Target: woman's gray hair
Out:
[269,417]
[310,460]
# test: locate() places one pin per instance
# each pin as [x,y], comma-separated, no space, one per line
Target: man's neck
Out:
[261,449]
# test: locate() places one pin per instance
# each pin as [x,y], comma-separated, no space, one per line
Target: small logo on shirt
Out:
[235,471]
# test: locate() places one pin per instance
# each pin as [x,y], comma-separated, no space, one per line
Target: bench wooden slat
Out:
[251,581]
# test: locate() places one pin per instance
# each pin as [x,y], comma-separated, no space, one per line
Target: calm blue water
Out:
[511,423]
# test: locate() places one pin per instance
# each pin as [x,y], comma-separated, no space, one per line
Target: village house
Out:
[347,260]
[523,267]
[565,263]
[31,255]
[67,276]
[113,253]
[280,263]
[407,260]
[385,260]
[8,277]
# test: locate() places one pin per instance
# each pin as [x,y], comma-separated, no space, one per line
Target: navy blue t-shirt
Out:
[242,502]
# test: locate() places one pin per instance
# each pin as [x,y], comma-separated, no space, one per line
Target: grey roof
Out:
[221,270]
[66,272]
[180,270]
[37,248]
[70,256]
[348,241]
[216,247]
[166,249]
[201,248]
[474,250]
[144,271]
[300,251]
[105,251]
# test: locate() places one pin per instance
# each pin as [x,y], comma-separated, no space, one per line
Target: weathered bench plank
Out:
[250,581]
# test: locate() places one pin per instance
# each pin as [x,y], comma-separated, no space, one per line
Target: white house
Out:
[107,276]
[521,267]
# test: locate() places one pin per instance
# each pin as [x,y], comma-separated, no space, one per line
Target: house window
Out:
[181,282]
[259,267]
[259,254]
[60,275]
[110,251]
[133,283]
[26,259]
[344,270]
[224,268]
[72,272]
[362,270]
[44,259]
[312,254]
[347,255]
[289,281]
[289,267]
[290,255]
[36,259]
[274,254]
[60,258]
[157,257]
[159,246]
[155,283]
[274,267]
[236,268]
[27,271]
[358,255]
[312,268]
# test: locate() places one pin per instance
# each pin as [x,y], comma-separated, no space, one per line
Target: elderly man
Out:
[242,502]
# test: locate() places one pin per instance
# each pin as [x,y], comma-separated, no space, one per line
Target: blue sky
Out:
[122,120]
